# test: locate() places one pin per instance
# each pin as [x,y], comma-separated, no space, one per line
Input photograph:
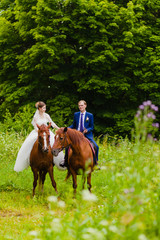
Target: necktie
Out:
[81,123]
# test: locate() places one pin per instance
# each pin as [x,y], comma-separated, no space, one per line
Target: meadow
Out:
[124,204]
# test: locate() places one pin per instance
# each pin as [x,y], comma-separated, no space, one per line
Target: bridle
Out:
[41,143]
[65,139]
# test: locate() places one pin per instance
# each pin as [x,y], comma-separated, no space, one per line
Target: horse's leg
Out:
[35,173]
[89,181]
[50,170]
[40,181]
[43,179]
[74,177]
[68,175]
[83,179]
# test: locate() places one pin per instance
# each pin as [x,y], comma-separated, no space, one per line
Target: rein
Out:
[65,139]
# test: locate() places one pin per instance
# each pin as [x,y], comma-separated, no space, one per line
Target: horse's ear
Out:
[38,126]
[65,129]
[49,125]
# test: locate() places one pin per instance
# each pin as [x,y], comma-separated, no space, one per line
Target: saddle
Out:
[94,149]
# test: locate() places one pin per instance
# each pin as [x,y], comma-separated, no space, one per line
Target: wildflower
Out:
[33,233]
[131,190]
[87,196]
[48,230]
[138,113]
[126,191]
[142,237]
[149,115]
[155,125]
[56,224]
[93,233]
[144,121]
[52,199]
[141,107]
[153,116]
[119,174]
[104,222]
[51,212]
[113,228]
[156,109]
[153,107]
[147,103]
[128,168]
[103,168]
[61,204]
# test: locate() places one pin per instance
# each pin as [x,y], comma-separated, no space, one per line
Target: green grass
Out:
[127,190]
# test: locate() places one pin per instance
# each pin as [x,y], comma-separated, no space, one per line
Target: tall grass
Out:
[124,204]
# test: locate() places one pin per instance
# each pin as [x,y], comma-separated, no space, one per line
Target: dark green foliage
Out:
[62,51]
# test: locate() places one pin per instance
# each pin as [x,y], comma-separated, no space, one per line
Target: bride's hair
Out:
[39,104]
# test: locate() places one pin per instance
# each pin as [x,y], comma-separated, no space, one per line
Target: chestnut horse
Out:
[41,158]
[80,156]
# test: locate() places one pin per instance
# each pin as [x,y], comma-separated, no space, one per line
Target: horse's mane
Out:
[76,136]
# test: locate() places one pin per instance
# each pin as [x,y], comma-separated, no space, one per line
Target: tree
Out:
[62,51]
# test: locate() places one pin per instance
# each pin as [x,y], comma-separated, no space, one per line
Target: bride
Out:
[40,117]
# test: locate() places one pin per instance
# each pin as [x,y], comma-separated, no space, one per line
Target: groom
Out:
[83,121]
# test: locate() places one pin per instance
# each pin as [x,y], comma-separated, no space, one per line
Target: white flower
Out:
[104,222]
[93,233]
[119,174]
[33,233]
[52,199]
[88,196]
[103,168]
[128,168]
[113,228]
[56,224]
[87,119]
[51,212]
[61,204]
[142,237]
[48,230]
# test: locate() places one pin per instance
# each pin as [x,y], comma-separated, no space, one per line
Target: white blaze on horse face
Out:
[45,140]
[57,136]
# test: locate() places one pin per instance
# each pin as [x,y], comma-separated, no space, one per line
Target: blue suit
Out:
[88,124]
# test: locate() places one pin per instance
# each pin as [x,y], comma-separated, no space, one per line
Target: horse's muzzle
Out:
[55,152]
[45,150]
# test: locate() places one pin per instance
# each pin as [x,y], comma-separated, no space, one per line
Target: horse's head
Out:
[44,137]
[61,141]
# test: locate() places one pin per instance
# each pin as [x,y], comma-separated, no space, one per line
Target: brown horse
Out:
[80,156]
[41,158]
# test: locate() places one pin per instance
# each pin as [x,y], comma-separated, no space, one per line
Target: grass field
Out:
[124,204]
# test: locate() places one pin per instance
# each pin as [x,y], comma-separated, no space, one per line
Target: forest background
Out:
[106,52]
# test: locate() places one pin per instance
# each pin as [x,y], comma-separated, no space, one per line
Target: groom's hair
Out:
[83,102]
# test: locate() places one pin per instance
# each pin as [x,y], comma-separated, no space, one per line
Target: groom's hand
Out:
[85,131]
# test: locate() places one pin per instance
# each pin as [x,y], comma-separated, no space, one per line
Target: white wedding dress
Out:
[23,156]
